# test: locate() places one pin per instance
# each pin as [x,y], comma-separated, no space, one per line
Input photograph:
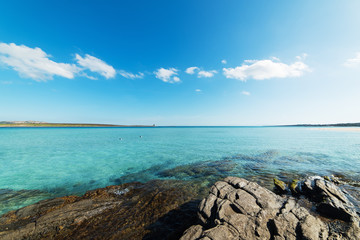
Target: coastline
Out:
[55,125]
[234,208]
[168,201]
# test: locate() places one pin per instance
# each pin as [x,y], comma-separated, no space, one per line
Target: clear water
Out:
[38,163]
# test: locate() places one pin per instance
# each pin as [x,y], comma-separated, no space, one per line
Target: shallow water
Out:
[64,161]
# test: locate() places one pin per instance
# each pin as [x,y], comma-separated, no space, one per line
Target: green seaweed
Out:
[293,186]
[279,185]
[327,178]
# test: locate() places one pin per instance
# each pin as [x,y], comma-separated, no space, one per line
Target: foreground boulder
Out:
[238,209]
[330,200]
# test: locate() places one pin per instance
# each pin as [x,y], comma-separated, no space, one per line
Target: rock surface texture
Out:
[238,209]
[153,210]
[163,209]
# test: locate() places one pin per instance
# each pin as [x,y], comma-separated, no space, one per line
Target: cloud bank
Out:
[266,69]
[167,75]
[34,63]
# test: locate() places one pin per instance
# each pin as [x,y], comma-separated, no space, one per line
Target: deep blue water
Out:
[59,161]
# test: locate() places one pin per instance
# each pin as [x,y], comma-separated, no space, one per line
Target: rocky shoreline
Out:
[238,209]
[315,208]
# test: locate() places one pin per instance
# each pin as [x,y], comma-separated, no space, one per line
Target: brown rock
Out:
[154,210]
[280,185]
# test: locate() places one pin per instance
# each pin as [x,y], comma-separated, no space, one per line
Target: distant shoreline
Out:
[19,124]
[40,125]
[324,125]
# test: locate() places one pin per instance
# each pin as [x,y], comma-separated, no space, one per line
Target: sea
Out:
[42,163]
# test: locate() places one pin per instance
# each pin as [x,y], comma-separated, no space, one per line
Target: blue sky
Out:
[180,62]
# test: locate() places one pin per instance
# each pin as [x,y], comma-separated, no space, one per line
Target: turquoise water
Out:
[38,163]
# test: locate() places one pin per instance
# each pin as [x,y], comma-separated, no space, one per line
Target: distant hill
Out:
[325,125]
[45,124]
[21,122]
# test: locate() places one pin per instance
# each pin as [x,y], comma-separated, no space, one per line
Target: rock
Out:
[238,209]
[295,187]
[327,178]
[11,198]
[194,232]
[213,170]
[163,209]
[280,186]
[153,210]
[312,228]
[330,200]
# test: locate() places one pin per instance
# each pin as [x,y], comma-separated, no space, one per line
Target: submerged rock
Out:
[12,199]
[212,170]
[238,209]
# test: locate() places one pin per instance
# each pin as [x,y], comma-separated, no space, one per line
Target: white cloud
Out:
[223,61]
[82,74]
[200,74]
[353,62]
[130,75]
[191,70]
[176,79]
[96,65]
[265,69]
[302,57]
[245,93]
[34,63]
[206,74]
[198,90]
[250,61]
[167,75]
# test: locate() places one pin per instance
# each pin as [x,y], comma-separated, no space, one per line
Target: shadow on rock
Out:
[173,224]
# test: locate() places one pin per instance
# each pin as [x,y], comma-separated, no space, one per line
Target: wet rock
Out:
[11,199]
[351,179]
[330,200]
[153,210]
[280,186]
[295,187]
[327,178]
[238,209]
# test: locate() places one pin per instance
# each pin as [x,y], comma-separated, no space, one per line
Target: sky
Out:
[202,62]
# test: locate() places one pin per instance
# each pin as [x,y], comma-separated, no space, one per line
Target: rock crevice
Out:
[239,209]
